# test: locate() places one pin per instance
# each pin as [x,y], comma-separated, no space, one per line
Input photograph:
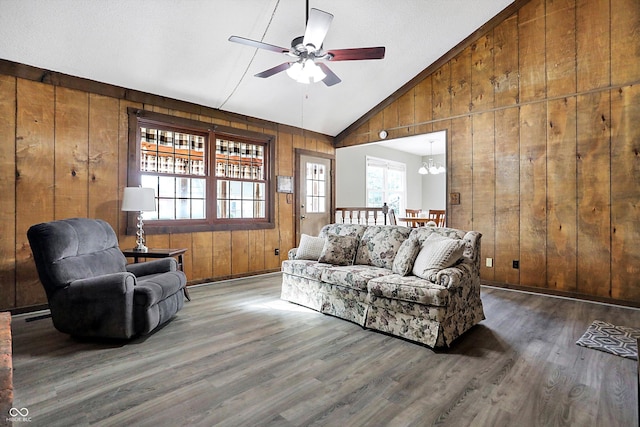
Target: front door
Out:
[314,198]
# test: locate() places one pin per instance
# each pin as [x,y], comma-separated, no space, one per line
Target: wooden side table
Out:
[159,253]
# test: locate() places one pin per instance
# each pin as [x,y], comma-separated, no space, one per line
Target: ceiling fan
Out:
[307,65]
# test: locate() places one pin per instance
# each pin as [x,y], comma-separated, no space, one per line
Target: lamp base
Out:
[140,247]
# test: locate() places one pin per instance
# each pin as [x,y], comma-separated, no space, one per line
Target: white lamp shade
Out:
[139,199]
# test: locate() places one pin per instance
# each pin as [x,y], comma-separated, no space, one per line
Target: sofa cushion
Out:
[355,230]
[437,252]
[339,250]
[406,256]
[352,276]
[409,288]
[380,243]
[310,247]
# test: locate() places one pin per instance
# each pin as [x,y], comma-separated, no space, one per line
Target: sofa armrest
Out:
[472,248]
[292,253]
[456,276]
[162,265]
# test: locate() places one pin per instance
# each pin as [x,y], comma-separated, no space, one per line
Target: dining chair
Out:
[413,213]
[438,216]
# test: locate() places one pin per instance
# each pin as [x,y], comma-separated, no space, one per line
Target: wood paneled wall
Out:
[543,120]
[63,153]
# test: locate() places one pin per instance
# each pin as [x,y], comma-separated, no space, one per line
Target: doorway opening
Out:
[424,191]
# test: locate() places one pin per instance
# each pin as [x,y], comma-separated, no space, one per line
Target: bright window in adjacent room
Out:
[205,177]
[386,183]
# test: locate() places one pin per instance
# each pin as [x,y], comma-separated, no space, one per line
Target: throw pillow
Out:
[339,250]
[437,252]
[406,256]
[310,247]
[379,245]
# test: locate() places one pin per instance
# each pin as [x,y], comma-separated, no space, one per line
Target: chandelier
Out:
[430,167]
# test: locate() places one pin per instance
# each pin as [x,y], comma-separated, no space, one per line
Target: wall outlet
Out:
[489,262]
[276,251]
[516,263]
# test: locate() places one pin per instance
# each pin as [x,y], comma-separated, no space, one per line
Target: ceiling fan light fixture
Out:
[316,74]
[306,71]
[295,71]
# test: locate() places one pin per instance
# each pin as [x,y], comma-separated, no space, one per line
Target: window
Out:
[316,181]
[386,182]
[173,163]
[241,185]
[206,177]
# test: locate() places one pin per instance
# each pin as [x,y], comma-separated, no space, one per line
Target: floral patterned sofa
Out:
[422,284]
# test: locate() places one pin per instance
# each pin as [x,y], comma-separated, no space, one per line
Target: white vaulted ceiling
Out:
[180,49]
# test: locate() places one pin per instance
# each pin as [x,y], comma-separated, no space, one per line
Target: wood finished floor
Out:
[238,356]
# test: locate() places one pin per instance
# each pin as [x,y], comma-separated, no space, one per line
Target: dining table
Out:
[413,221]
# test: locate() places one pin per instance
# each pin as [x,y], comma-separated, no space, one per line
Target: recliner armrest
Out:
[101,306]
[99,287]
[162,265]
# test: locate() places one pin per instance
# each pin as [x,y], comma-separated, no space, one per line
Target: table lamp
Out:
[139,199]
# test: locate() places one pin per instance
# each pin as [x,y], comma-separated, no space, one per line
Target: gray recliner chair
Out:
[91,290]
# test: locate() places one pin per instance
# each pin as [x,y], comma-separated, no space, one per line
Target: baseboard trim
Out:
[235,278]
[562,294]
[28,310]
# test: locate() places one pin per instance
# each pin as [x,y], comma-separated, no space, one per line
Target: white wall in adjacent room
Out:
[350,174]
[434,187]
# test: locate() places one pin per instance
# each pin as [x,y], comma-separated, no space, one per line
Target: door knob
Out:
[302,217]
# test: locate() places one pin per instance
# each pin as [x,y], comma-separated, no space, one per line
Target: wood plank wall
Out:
[63,153]
[542,115]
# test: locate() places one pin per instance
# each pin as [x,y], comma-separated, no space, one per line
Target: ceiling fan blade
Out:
[257,44]
[317,28]
[356,54]
[275,70]
[331,78]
